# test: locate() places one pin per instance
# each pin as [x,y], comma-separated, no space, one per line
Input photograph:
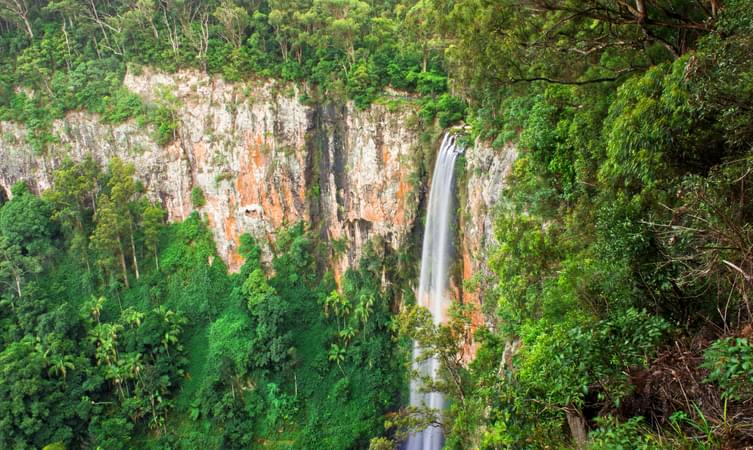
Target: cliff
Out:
[486,172]
[264,158]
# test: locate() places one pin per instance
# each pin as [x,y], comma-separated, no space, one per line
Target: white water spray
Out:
[433,286]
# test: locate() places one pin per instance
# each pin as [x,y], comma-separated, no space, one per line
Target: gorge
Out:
[382,225]
[263,159]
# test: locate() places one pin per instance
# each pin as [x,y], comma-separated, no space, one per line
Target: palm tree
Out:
[343,307]
[330,302]
[132,365]
[364,309]
[105,336]
[95,306]
[337,354]
[60,364]
[132,317]
[115,374]
[174,324]
[347,334]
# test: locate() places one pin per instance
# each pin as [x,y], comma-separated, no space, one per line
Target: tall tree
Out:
[234,20]
[419,23]
[25,236]
[152,222]
[17,11]
[72,199]
[122,193]
[270,342]
[106,239]
[342,23]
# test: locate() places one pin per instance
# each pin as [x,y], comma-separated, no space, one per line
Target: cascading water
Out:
[433,285]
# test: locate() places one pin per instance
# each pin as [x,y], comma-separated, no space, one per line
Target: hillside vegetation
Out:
[619,313]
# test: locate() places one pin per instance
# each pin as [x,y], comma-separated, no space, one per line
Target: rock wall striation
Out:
[265,158]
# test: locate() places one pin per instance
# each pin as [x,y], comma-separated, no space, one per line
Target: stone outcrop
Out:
[261,156]
[487,170]
[486,175]
[264,158]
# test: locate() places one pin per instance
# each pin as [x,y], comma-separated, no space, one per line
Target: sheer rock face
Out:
[264,159]
[487,171]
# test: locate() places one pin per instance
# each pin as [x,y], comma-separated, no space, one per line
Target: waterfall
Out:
[433,285]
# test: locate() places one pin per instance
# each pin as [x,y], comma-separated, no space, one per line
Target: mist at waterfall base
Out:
[433,285]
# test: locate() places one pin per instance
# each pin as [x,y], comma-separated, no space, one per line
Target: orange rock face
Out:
[487,171]
[264,160]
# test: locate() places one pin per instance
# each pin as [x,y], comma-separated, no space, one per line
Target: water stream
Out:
[433,285]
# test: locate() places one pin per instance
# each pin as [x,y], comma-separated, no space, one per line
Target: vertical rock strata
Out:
[263,159]
[486,170]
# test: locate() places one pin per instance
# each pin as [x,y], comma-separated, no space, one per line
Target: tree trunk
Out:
[67,48]
[640,7]
[133,252]
[18,284]
[577,425]
[154,29]
[123,265]
[22,11]
[715,7]
[28,27]
[172,32]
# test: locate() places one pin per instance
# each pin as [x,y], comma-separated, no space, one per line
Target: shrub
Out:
[613,435]
[730,361]
[197,197]
[428,83]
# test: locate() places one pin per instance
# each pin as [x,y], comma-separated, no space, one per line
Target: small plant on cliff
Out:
[197,197]
[163,116]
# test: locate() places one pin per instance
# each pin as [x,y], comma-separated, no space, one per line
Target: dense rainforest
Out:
[617,314]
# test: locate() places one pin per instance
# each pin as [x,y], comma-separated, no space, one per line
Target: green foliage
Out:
[24,221]
[164,118]
[621,436]
[722,71]
[561,362]
[623,223]
[106,239]
[121,105]
[626,220]
[269,344]
[446,108]
[110,372]
[228,341]
[362,85]
[112,433]
[30,400]
[653,133]
[73,56]
[197,284]
[730,364]
[25,238]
